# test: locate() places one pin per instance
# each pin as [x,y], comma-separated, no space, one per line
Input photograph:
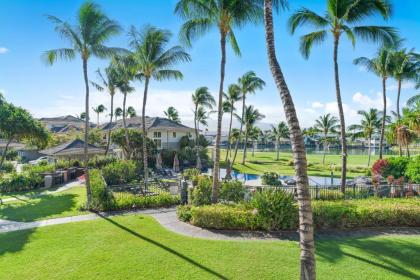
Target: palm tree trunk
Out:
[3,157]
[110,121]
[240,130]
[325,149]
[195,124]
[381,141]
[127,140]
[369,149]
[407,150]
[398,110]
[342,121]
[230,131]
[214,193]
[86,147]
[307,244]
[245,146]
[278,150]
[143,124]
[253,147]
[97,119]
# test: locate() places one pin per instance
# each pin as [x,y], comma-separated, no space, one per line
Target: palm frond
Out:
[234,43]
[308,40]
[194,29]
[51,56]
[306,16]
[168,75]
[381,34]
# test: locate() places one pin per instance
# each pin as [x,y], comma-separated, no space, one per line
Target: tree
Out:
[118,113]
[382,66]
[343,17]
[233,96]
[87,40]
[201,98]
[131,112]
[278,132]
[99,110]
[251,116]
[172,114]
[370,124]
[153,60]
[202,117]
[201,16]
[249,83]
[82,116]
[307,244]
[108,81]
[254,135]
[326,124]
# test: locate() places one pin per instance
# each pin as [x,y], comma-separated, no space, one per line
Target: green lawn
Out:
[266,162]
[66,203]
[137,247]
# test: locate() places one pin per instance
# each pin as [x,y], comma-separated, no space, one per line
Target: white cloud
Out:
[3,50]
[404,85]
[317,104]
[366,102]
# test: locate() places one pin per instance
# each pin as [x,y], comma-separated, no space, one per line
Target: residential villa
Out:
[64,124]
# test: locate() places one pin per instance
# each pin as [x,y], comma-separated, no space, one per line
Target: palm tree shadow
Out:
[12,242]
[170,250]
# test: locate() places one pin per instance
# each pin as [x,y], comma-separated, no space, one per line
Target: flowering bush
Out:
[379,167]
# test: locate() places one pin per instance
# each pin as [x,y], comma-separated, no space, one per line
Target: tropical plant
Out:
[326,124]
[82,116]
[131,112]
[87,40]
[172,114]
[233,96]
[202,117]
[306,234]
[254,135]
[153,60]
[382,66]
[251,116]
[98,110]
[118,113]
[343,17]
[278,132]
[370,124]
[201,98]
[249,83]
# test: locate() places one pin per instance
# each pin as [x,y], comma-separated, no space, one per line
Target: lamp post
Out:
[332,173]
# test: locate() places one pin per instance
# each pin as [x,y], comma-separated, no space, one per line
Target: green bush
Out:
[38,169]
[119,172]
[7,167]
[232,191]
[24,181]
[11,154]
[101,161]
[270,179]
[396,167]
[190,173]
[201,194]
[101,198]
[276,209]
[183,213]
[413,170]
[126,201]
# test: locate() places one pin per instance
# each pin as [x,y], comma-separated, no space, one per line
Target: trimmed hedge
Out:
[24,181]
[120,172]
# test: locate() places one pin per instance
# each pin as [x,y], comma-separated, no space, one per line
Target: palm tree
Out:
[249,83]
[306,234]
[118,113]
[172,114]
[254,135]
[131,112]
[201,98]
[98,110]
[343,17]
[370,124]
[82,116]
[153,60]
[108,82]
[202,117]
[414,101]
[233,96]
[382,66]
[201,16]
[281,131]
[326,124]
[87,40]
[251,116]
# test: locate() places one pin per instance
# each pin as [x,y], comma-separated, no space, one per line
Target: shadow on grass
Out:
[44,206]
[396,256]
[162,246]
[12,242]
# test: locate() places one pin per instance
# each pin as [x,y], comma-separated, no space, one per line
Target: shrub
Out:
[38,169]
[126,201]
[21,182]
[270,179]
[396,167]
[11,154]
[276,209]
[7,167]
[183,213]
[232,191]
[413,170]
[119,172]
[101,198]
[189,173]
[101,161]
[379,167]
[201,194]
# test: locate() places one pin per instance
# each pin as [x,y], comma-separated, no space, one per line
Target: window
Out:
[158,143]
[157,134]
[174,134]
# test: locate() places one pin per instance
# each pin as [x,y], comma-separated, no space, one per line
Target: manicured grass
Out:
[266,162]
[66,203]
[137,247]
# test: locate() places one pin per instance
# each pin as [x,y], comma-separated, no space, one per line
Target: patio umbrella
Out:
[176,163]
[228,171]
[159,161]
[198,164]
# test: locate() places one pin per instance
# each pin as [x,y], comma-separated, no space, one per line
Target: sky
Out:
[48,91]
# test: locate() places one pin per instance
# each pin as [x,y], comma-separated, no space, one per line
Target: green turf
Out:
[66,203]
[137,247]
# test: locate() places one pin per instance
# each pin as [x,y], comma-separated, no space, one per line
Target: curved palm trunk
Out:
[342,121]
[398,110]
[127,140]
[196,126]
[230,131]
[240,130]
[307,245]
[369,149]
[86,147]
[3,157]
[214,193]
[381,141]
[143,124]
[278,150]
[110,121]
[245,146]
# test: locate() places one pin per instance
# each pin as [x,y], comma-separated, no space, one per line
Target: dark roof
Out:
[73,147]
[151,123]
[64,124]
[68,118]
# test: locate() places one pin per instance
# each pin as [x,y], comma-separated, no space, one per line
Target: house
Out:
[165,133]
[64,124]
[73,149]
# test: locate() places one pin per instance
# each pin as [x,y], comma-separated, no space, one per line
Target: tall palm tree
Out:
[370,124]
[326,124]
[172,114]
[343,17]
[82,116]
[233,96]
[118,113]
[87,39]
[99,110]
[278,132]
[201,98]
[202,117]
[251,116]
[254,135]
[108,81]
[306,234]
[153,60]
[131,112]
[249,83]
[201,16]
[382,66]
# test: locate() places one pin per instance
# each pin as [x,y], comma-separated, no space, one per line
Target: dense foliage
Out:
[24,181]
[397,167]
[232,191]
[136,144]
[413,170]
[270,179]
[120,172]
